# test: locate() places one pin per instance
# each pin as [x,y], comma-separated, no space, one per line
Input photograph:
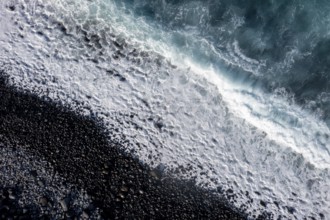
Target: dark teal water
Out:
[289,40]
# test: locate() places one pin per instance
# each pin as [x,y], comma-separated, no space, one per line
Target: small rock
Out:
[10,191]
[64,205]
[69,215]
[41,183]
[122,196]
[84,215]
[124,189]
[12,196]
[43,201]
[154,174]
[12,7]
[5,207]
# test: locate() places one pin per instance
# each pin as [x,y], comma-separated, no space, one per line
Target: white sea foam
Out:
[229,134]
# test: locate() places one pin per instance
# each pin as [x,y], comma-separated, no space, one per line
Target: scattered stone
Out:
[263,203]
[120,195]
[153,174]
[84,215]
[12,196]
[41,183]
[124,189]
[43,201]
[291,209]
[64,205]
[12,7]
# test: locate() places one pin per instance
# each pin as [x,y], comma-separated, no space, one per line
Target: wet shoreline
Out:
[78,150]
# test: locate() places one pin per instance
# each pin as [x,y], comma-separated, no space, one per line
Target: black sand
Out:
[78,149]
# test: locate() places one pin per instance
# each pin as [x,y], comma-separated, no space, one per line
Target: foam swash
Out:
[233,94]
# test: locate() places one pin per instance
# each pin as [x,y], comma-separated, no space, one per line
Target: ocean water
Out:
[234,94]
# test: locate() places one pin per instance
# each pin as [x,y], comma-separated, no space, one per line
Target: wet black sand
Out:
[78,149]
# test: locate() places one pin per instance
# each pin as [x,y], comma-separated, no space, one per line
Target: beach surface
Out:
[58,164]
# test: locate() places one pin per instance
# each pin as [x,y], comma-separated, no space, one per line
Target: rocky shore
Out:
[56,164]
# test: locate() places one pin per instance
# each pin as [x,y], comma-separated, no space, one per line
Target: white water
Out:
[238,136]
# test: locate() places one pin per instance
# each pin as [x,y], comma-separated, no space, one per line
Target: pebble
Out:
[84,215]
[41,183]
[154,174]
[12,197]
[121,195]
[64,205]
[124,189]
[43,201]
